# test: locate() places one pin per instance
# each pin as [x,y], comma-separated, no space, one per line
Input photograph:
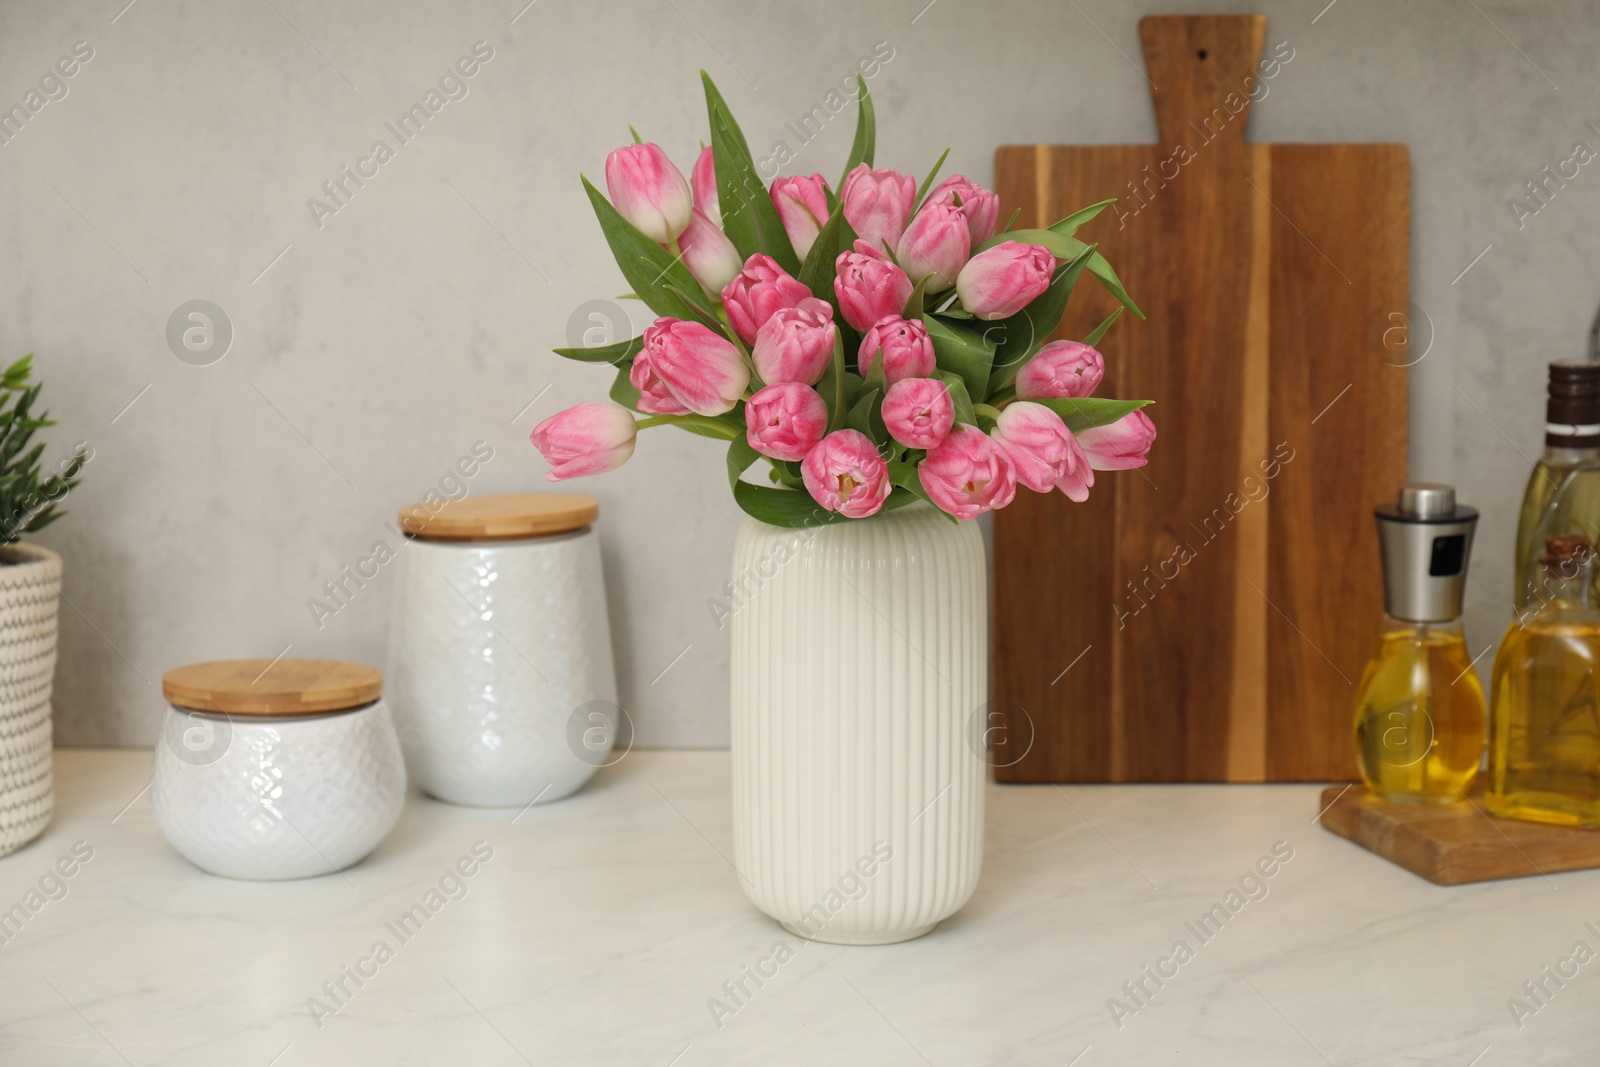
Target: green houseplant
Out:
[30,581]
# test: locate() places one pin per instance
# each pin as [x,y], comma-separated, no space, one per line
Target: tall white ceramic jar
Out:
[500,664]
[276,769]
[860,665]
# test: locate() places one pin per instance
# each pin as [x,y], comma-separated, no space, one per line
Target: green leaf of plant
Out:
[1083,413]
[959,397]
[1023,334]
[741,457]
[789,508]
[964,351]
[618,355]
[927,183]
[1012,221]
[833,386]
[816,273]
[648,267]
[866,416]
[1069,225]
[903,476]
[916,301]
[622,390]
[861,151]
[1100,330]
[749,217]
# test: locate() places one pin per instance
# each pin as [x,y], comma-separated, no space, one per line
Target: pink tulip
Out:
[907,352]
[588,438]
[700,369]
[703,180]
[1060,369]
[708,253]
[935,246]
[785,421]
[1077,477]
[1038,444]
[844,473]
[968,474]
[1121,446]
[654,396]
[648,191]
[1000,281]
[980,206]
[802,206]
[796,344]
[868,286]
[918,412]
[877,204]
[758,291]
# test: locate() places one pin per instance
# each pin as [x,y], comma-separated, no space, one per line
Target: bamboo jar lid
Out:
[508,517]
[268,687]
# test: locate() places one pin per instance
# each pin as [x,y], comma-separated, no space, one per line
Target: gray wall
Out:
[417,320]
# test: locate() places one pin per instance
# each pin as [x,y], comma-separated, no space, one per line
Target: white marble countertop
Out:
[602,926]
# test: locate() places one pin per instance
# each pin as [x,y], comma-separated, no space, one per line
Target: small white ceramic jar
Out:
[271,770]
[500,667]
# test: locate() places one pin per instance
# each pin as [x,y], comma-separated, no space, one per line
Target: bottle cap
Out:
[1565,554]
[1426,540]
[1572,414]
[1427,500]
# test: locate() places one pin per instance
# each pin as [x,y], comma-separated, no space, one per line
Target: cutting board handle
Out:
[1202,70]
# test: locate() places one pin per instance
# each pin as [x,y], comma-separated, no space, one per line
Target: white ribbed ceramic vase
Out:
[860,660]
[29,579]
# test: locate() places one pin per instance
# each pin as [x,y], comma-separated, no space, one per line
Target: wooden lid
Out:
[509,517]
[268,687]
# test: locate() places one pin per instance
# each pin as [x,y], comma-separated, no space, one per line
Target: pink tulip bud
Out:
[1121,446]
[968,474]
[700,369]
[918,412]
[1000,281]
[758,291]
[904,345]
[980,206]
[868,286]
[844,473]
[588,438]
[1038,444]
[704,182]
[802,206]
[877,204]
[708,253]
[785,421]
[1061,369]
[648,191]
[935,246]
[796,344]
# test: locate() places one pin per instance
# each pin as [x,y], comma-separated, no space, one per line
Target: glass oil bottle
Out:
[1563,493]
[1419,721]
[1544,755]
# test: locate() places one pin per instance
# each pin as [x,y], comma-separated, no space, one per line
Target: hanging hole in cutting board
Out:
[1201,53]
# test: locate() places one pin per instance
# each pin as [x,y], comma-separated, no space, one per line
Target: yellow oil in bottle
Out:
[1544,751]
[1420,715]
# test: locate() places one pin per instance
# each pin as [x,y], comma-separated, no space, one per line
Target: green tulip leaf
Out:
[749,217]
[866,132]
[964,351]
[1100,330]
[1069,225]
[1084,413]
[927,183]
[790,508]
[960,399]
[650,269]
[618,355]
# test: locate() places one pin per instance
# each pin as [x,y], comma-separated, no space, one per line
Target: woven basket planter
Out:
[29,579]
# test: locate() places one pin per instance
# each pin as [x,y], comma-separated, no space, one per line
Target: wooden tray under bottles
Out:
[1455,844]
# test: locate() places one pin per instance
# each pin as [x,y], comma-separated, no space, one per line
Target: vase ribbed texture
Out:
[29,579]
[860,659]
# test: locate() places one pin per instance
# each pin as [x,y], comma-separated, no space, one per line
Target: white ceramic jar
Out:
[860,669]
[500,666]
[272,770]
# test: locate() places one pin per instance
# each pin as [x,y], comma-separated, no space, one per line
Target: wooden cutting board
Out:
[1457,843]
[1207,617]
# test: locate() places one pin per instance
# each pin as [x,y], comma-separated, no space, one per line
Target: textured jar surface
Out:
[272,798]
[860,661]
[29,577]
[496,651]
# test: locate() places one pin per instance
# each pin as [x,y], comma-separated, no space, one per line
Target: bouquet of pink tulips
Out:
[876,346]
